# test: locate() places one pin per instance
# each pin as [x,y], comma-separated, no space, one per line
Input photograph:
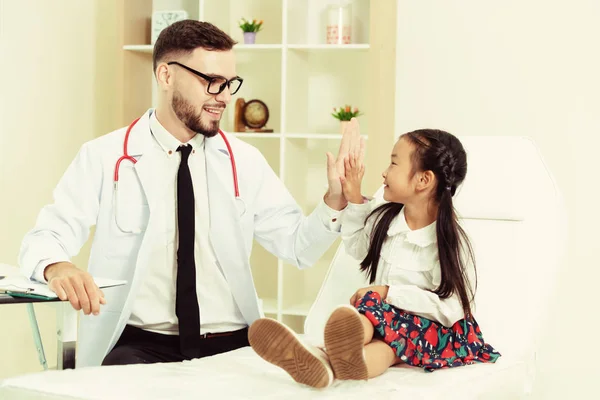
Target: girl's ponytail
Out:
[450,239]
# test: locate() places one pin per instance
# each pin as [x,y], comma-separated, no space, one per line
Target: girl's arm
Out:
[424,303]
[355,233]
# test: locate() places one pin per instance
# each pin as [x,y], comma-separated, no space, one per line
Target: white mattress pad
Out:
[241,374]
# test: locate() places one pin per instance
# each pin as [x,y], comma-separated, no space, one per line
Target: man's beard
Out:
[186,114]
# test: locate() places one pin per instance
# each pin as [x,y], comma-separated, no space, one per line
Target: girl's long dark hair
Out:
[444,155]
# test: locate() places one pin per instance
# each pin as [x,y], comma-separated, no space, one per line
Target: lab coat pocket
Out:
[131,219]
[130,205]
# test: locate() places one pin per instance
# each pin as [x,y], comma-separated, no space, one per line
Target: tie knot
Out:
[185,151]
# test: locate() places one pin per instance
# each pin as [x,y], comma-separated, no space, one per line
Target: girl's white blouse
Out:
[408,264]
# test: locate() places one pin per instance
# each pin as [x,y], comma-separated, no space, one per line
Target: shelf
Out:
[258,47]
[269,306]
[322,136]
[300,309]
[321,47]
[260,135]
[147,48]
[141,48]
[269,135]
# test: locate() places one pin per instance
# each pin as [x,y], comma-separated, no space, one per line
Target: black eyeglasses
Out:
[216,84]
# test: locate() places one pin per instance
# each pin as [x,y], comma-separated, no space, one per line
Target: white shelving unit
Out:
[300,78]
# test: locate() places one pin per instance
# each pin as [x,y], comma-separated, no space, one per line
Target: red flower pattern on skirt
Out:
[425,343]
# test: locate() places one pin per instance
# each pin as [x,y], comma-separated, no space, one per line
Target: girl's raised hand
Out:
[354,171]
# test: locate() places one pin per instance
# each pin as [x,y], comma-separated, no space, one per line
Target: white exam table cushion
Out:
[241,374]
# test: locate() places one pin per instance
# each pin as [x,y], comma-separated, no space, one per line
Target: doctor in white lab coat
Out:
[136,237]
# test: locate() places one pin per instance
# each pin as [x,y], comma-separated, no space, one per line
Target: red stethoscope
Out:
[126,157]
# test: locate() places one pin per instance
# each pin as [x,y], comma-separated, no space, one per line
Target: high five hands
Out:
[354,172]
[345,172]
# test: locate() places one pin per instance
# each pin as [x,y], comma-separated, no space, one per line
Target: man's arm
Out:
[61,230]
[281,227]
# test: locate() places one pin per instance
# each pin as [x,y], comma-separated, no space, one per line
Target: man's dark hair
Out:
[183,37]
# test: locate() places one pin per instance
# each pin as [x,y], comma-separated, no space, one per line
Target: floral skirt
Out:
[424,343]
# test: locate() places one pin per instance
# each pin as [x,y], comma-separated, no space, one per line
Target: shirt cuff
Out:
[355,211]
[38,272]
[329,217]
[405,298]
[394,294]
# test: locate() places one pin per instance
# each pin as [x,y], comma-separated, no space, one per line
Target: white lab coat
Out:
[84,197]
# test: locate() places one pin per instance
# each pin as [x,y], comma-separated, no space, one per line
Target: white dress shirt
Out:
[408,264]
[154,307]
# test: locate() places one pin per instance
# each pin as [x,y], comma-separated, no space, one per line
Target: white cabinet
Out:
[301,78]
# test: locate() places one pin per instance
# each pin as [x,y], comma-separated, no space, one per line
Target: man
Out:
[169,219]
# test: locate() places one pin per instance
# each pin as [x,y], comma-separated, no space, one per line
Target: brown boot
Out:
[279,345]
[344,344]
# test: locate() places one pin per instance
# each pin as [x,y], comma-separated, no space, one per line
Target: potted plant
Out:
[345,114]
[250,28]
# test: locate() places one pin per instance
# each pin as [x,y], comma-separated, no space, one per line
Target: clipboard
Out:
[20,286]
[30,295]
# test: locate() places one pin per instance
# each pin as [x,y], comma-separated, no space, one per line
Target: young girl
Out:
[420,261]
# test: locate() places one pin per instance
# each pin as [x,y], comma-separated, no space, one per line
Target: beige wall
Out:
[381,77]
[50,66]
[521,68]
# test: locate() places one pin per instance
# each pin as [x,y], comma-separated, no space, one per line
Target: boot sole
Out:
[279,345]
[344,343]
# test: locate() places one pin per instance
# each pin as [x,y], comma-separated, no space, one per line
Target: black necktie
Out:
[186,303]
